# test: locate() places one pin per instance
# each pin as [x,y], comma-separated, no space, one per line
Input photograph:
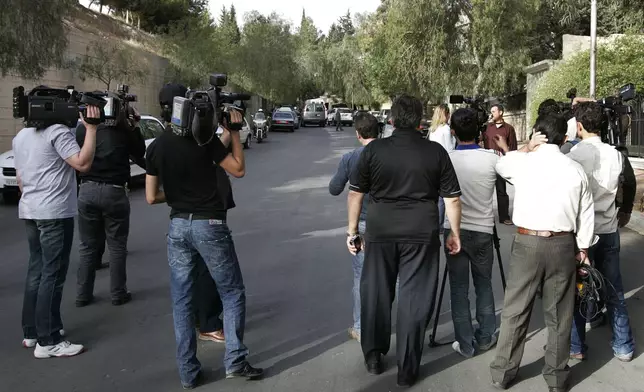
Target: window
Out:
[150,129]
[319,108]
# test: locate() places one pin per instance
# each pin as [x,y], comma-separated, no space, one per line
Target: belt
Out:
[102,183]
[209,218]
[542,233]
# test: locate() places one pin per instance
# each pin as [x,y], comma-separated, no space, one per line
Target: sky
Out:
[323,12]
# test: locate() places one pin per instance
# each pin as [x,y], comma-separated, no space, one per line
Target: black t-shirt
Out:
[404,175]
[189,174]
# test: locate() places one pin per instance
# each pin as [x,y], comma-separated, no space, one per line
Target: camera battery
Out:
[181,112]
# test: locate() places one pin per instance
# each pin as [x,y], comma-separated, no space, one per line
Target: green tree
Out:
[109,63]
[32,36]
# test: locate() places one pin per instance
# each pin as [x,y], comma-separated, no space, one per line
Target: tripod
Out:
[497,246]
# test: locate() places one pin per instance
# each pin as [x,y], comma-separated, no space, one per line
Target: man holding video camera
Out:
[604,166]
[554,214]
[104,206]
[476,171]
[189,172]
[46,161]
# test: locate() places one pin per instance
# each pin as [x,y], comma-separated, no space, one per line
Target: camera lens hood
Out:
[93,100]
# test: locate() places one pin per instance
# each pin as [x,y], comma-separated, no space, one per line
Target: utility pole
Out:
[593,47]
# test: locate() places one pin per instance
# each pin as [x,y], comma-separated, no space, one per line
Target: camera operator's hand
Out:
[502,143]
[235,118]
[582,257]
[92,112]
[353,249]
[577,100]
[623,218]
[453,244]
[537,139]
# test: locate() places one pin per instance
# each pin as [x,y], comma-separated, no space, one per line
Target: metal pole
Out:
[593,47]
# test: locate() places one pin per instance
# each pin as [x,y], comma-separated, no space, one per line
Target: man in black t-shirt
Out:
[404,175]
[198,228]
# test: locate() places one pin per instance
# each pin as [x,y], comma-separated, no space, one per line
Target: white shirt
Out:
[476,172]
[443,136]
[552,192]
[602,164]
[571,132]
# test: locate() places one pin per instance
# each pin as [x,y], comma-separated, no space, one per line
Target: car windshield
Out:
[150,129]
[260,116]
[283,115]
[284,109]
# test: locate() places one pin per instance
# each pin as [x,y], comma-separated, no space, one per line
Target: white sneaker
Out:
[62,349]
[457,347]
[31,343]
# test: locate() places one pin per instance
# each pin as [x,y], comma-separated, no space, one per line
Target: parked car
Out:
[346,117]
[314,113]
[283,120]
[330,116]
[245,134]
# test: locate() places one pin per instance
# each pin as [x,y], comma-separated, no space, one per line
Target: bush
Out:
[619,63]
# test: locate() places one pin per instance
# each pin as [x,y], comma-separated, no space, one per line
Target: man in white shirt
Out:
[476,172]
[603,165]
[553,201]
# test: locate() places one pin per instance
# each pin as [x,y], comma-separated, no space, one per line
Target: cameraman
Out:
[46,160]
[104,206]
[197,229]
[476,172]
[604,166]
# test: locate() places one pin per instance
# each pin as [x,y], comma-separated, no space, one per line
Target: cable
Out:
[591,290]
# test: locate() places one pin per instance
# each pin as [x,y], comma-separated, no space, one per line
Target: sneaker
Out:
[493,341]
[62,349]
[457,347]
[354,334]
[217,336]
[624,357]
[248,372]
[123,300]
[579,356]
[31,343]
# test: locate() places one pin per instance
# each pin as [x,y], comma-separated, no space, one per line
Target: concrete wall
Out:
[85,28]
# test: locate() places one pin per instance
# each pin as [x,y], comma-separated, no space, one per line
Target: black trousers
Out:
[103,214]
[502,198]
[417,267]
[207,301]
[549,264]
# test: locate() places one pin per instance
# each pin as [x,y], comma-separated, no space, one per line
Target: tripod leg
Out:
[432,336]
[497,247]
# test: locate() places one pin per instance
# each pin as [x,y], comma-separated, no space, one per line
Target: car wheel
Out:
[247,142]
[293,129]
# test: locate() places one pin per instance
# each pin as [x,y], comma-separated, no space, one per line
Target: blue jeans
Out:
[605,256]
[358,262]
[477,252]
[188,240]
[50,243]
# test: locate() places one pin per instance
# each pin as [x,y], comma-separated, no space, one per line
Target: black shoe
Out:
[123,300]
[374,365]
[102,266]
[248,372]
[405,381]
[198,381]
[81,303]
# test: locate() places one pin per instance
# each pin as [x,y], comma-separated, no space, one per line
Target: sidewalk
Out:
[637,217]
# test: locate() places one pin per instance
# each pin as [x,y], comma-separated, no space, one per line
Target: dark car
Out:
[283,120]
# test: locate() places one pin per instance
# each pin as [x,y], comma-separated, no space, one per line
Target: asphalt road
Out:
[289,234]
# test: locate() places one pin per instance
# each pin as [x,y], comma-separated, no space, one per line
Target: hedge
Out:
[619,63]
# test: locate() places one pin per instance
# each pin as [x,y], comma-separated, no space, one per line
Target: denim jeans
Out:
[477,252]
[212,241]
[103,214]
[358,262]
[50,243]
[605,256]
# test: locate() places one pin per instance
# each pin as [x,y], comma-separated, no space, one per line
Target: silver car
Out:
[314,113]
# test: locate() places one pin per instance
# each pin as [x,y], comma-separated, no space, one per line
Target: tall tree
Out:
[110,63]
[33,36]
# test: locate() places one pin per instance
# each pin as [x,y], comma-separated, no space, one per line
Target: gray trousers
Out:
[549,263]
[103,214]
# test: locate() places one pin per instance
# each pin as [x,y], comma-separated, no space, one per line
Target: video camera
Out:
[43,106]
[478,104]
[615,108]
[200,112]
[116,105]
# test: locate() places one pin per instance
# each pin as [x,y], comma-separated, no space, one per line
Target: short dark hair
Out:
[591,116]
[465,124]
[553,126]
[366,125]
[406,112]
[498,106]
[548,106]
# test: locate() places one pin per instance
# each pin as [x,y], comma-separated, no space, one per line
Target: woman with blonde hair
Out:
[440,131]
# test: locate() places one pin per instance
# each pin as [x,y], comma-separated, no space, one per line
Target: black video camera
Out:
[478,104]
[200,112]
[43,106]
[613,132]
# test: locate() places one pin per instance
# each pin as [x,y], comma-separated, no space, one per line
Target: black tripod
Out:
[497,246]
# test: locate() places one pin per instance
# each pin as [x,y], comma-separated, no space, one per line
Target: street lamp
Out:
[593,47]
